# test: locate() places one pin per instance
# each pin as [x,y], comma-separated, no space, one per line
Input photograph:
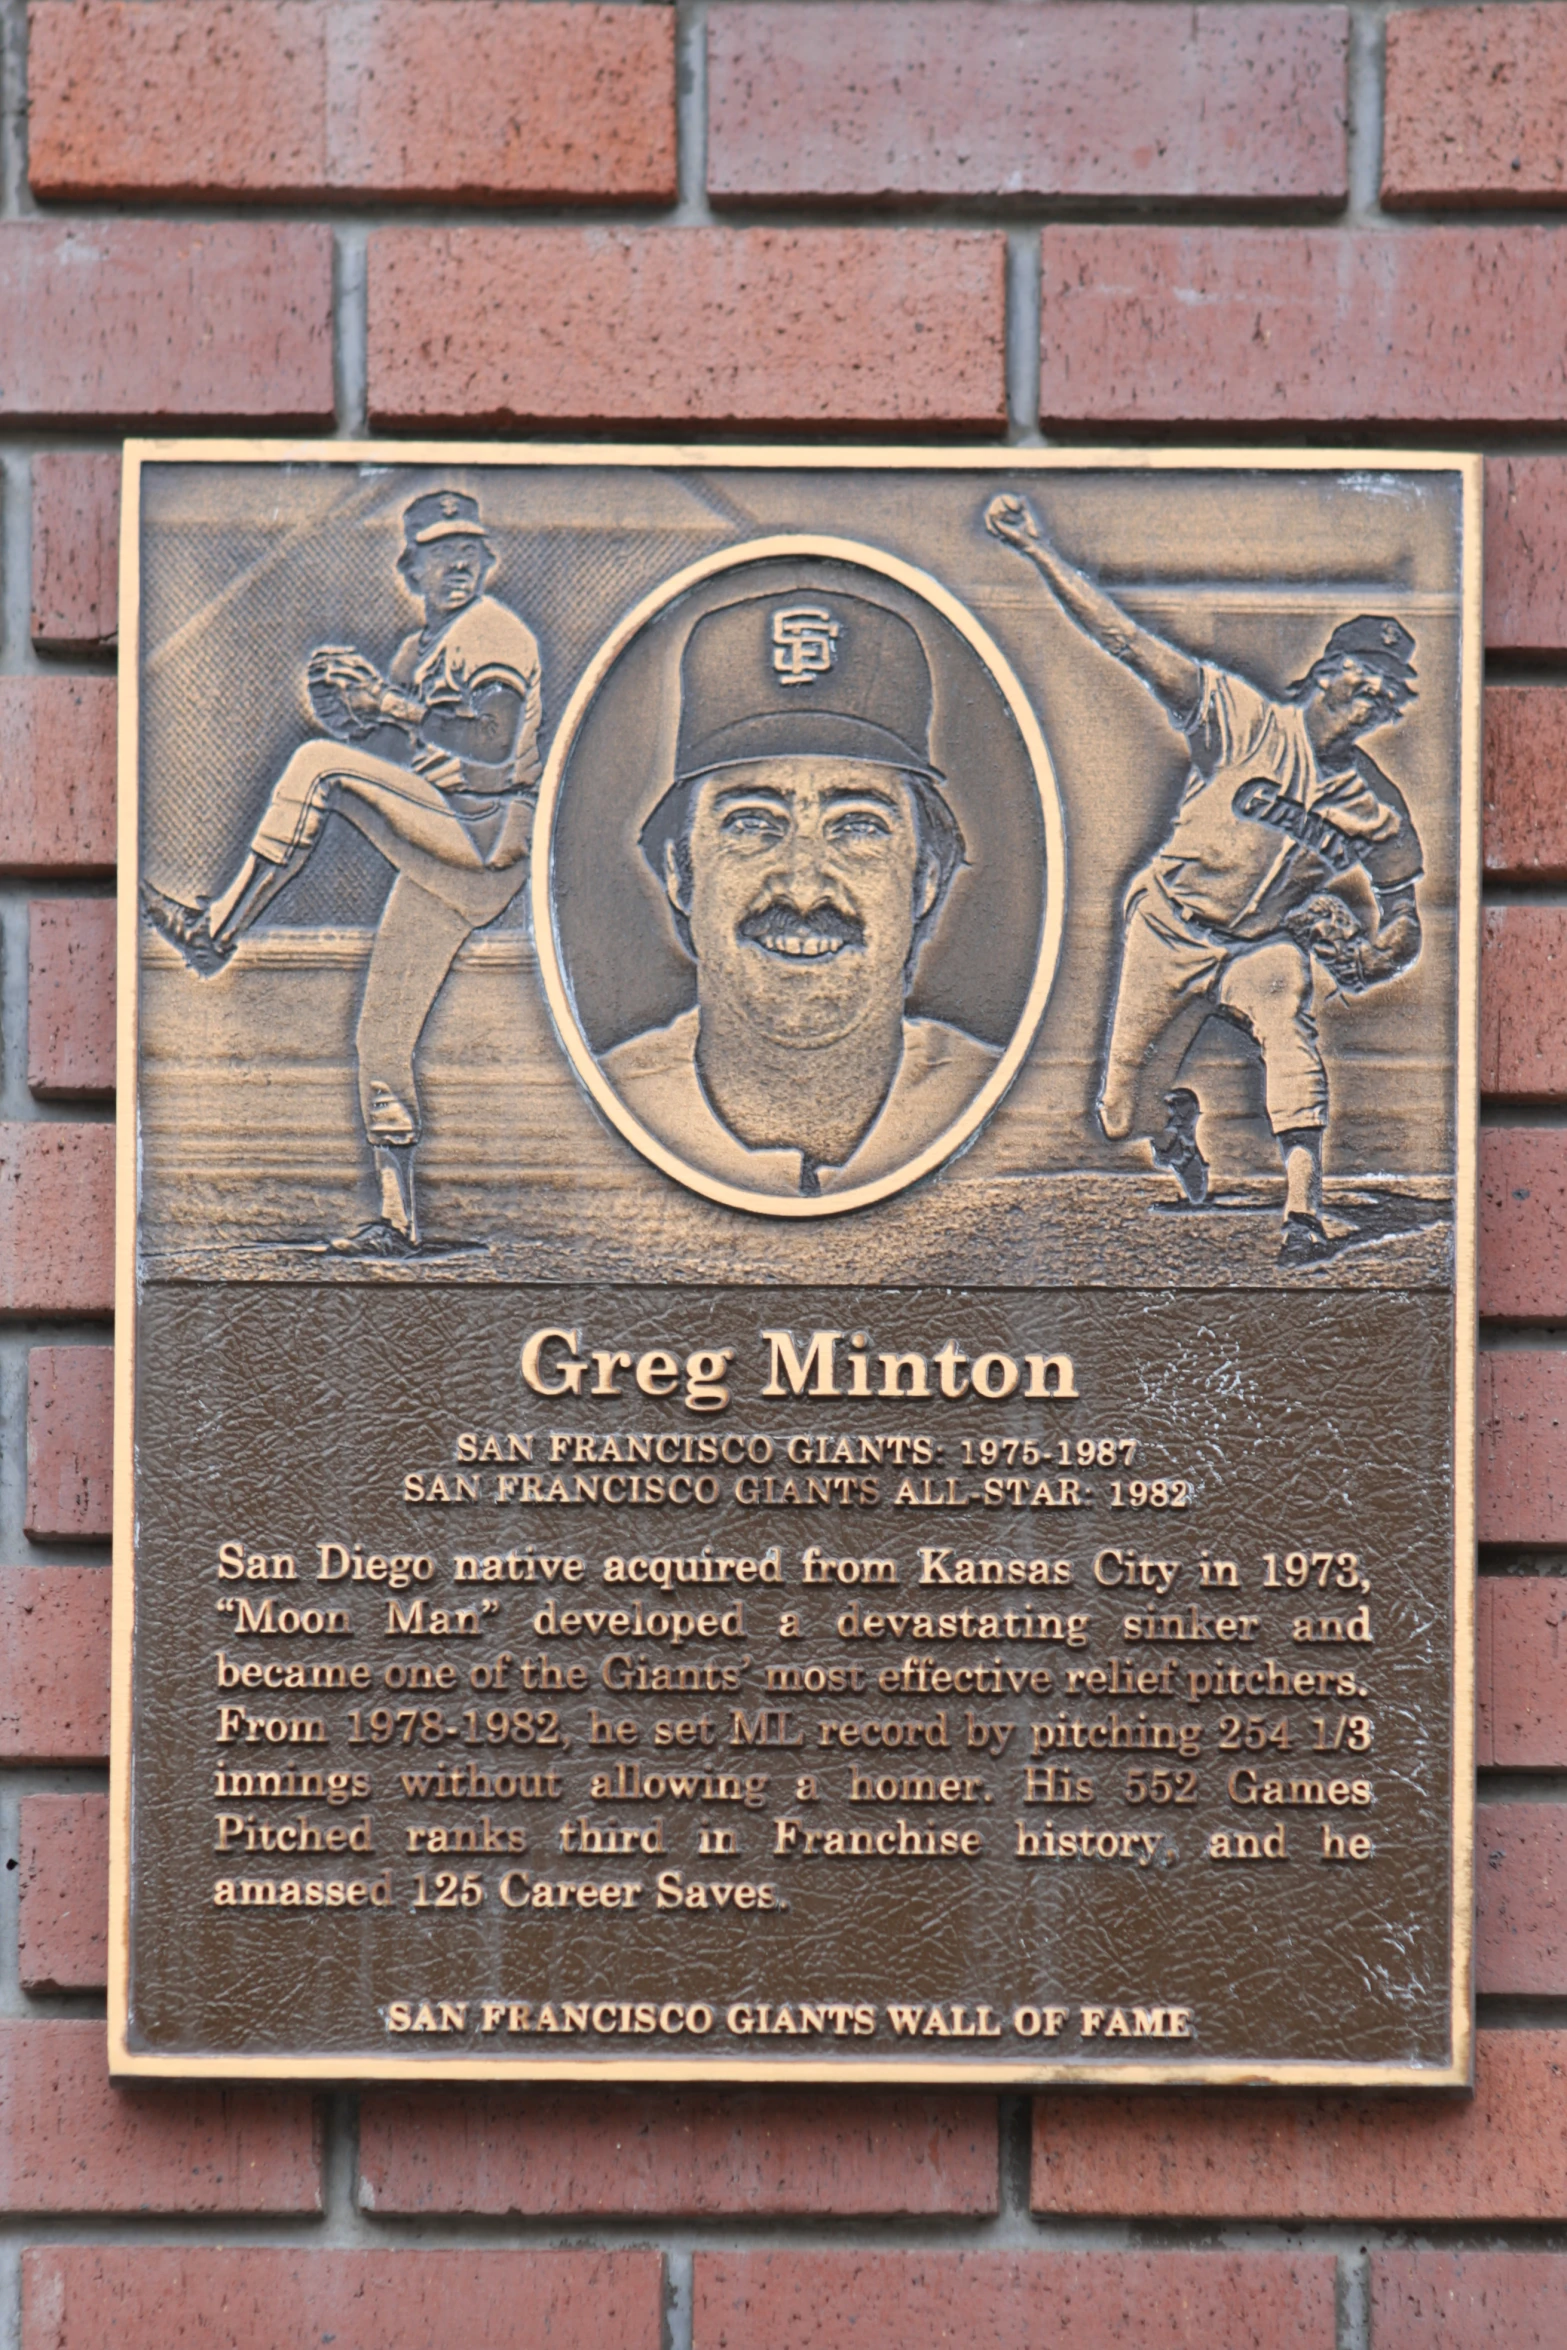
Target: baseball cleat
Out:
[1176,1149]
[188,928]
[379,1239]
[1305,1241]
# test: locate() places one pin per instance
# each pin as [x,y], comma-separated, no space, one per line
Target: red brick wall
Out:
[895,217]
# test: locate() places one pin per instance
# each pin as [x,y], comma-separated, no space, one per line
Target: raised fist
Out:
[1011,518]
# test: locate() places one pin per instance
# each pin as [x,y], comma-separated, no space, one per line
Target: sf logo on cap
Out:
[803,643]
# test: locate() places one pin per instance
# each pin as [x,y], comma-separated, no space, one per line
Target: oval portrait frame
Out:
[962,1130]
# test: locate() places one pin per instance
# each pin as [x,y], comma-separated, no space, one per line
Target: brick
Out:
[1501,2154]
[1523,1003]
[70,997]
[1143,325]
[842,2152]
[57,792]
[1525,814]
[70,1443]
[148,2297]
[1473,106]
[1512,2300]
[1521,1673]
[877,100]
[176,99]
[75,2142]
[63,1897]
[1521,1900]
[158,321]
[508,326]
[1523,1223]
[76,550]
[56,1219]
[1526,554]
[479,100]
[1521,1456]
[54,1664]
[801,2299]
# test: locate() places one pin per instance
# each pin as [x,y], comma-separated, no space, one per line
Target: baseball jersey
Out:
[940,1071]
[483,644]
[1261,826]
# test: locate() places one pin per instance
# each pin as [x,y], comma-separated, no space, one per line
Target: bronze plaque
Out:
[797,1264]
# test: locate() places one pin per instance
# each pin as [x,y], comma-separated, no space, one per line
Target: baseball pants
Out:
[454,876]
[1174,977]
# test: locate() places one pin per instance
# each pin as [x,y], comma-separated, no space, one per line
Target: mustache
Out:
[820,926]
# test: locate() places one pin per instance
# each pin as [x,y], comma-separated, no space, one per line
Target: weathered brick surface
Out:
[874,99]
[1521,1673]
[73,2142]
[70,1443]
[1501,2154]
[80,2297]
[472,99]
[798,2299]
[1298,326]
[54,1664]
[1525,817]
[57,757]
[1526,554]
[63,1893]
[76,550]
[56,1219]
[1523,1223]
[844,2152]
[601,325]
[175,98]
[1468,2300]
[163,320]
[1523,1003]
[1521,1455]
[70,997]
[1521,1899]
[1473,105]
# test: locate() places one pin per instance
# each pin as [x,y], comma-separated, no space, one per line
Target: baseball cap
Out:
[805,673]
[1374,637]
[442,514]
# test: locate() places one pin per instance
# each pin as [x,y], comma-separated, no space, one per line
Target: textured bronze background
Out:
[526,1486]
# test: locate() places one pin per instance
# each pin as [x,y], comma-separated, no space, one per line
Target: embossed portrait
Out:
[830,829]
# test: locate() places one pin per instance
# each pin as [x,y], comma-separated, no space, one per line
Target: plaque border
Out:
[811,547]
[1457,2072]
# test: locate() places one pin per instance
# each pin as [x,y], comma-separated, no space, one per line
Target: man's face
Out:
[806,881]
[1352,695]
[448,573]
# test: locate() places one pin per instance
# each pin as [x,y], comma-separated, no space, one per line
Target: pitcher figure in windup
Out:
[452,813]
[1282,802]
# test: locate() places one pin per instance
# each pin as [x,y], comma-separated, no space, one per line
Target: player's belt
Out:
[1261,799]
[1228,942]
